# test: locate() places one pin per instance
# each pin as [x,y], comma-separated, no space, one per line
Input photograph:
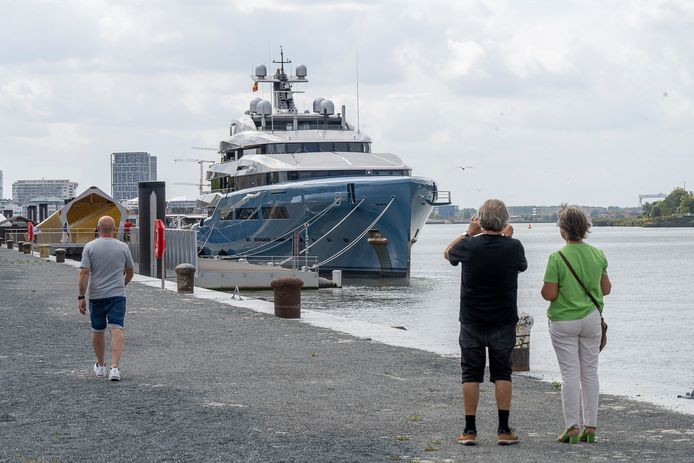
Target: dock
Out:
[230,274]
[205,380]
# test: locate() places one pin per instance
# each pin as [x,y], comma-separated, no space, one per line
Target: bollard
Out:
[520,358]
[26,247]
[44,251]
[60,255]
[287,292]
[10,244]
[20,246]
[185,278]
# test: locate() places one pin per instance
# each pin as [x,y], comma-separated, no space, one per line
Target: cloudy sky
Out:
[588,102]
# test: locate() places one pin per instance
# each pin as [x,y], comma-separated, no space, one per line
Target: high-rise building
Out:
[127,170]
[24,191]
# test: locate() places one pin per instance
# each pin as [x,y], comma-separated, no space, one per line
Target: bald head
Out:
[106,225]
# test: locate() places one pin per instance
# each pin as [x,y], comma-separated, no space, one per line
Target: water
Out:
[650,310]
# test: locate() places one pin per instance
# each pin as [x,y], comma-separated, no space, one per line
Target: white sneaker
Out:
[114,375]
[99,371]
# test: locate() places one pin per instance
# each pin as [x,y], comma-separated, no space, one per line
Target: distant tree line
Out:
[678,202]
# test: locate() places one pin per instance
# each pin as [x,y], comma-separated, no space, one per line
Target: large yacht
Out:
[307,184]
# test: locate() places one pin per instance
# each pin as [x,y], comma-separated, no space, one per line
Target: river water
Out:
[650,311]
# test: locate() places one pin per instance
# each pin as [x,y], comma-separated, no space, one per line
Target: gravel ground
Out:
[203,381]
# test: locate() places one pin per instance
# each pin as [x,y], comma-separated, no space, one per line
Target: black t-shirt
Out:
[489,278]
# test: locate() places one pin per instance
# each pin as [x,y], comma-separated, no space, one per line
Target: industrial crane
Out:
[201,162]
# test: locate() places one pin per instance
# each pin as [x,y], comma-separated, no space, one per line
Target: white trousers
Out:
[577,345]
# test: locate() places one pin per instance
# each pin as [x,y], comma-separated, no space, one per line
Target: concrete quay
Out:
[204,381]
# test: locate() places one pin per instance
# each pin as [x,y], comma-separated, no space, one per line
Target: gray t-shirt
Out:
[107,259]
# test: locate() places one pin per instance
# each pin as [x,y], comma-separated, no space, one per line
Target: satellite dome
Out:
[254,104]
[301,71]
[316,104]
[327,107]
[264,108]
[260,71]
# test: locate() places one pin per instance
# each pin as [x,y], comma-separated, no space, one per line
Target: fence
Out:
[181,247]
[55,236]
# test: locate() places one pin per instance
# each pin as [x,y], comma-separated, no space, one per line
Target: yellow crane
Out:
[201,162]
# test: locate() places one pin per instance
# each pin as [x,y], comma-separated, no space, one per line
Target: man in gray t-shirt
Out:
[106,268]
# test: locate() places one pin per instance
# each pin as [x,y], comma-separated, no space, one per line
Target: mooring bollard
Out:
[60,255]
[185,278]
[10,244]
[520,358]
[44,251]
[26,247]
[287,292]
[20,246]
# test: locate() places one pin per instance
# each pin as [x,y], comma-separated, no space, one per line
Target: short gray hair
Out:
[493,215]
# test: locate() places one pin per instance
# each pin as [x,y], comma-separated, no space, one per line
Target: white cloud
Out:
[464,56]
[510,87]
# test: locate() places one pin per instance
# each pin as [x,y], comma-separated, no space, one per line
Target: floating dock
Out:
[230,274]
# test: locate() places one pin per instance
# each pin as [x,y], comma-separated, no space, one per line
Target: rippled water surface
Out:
[650,311]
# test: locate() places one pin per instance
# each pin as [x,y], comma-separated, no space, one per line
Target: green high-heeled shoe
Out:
[587,435]
[569,435]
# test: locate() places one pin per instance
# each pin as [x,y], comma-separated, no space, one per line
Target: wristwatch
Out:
[79,298]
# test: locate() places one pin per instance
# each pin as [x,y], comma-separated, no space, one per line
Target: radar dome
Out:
[316,104]
[301,71]
[254,104]
[327,107]
[264,108]
[260,71]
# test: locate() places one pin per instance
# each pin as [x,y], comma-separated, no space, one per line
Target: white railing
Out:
[56,237]
[293,262]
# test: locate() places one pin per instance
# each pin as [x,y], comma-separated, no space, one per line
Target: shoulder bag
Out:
[603,325]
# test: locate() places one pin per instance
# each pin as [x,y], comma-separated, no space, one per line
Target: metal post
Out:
[152,205]
[163,266]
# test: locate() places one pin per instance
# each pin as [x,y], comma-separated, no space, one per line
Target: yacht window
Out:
[343,147]
[275,212]
[227,214]
[247,213]
[356,147]
[290,126]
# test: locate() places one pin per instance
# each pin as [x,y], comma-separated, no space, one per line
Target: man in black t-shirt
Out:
[491,261]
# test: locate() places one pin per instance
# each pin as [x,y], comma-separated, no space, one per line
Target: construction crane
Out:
[201,162]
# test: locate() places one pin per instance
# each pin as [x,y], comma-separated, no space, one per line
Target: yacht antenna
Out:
[356,48]
[282,62]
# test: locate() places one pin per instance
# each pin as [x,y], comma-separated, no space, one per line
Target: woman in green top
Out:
[574,322]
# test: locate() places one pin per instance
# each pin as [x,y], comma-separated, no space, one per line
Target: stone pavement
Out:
[204,381]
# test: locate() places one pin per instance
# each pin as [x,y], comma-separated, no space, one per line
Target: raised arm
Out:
[472,230]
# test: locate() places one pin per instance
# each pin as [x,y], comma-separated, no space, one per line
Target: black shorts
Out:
[474,339]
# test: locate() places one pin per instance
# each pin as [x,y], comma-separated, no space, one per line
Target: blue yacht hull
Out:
[364,226]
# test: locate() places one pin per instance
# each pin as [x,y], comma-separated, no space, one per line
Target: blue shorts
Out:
[111,309]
